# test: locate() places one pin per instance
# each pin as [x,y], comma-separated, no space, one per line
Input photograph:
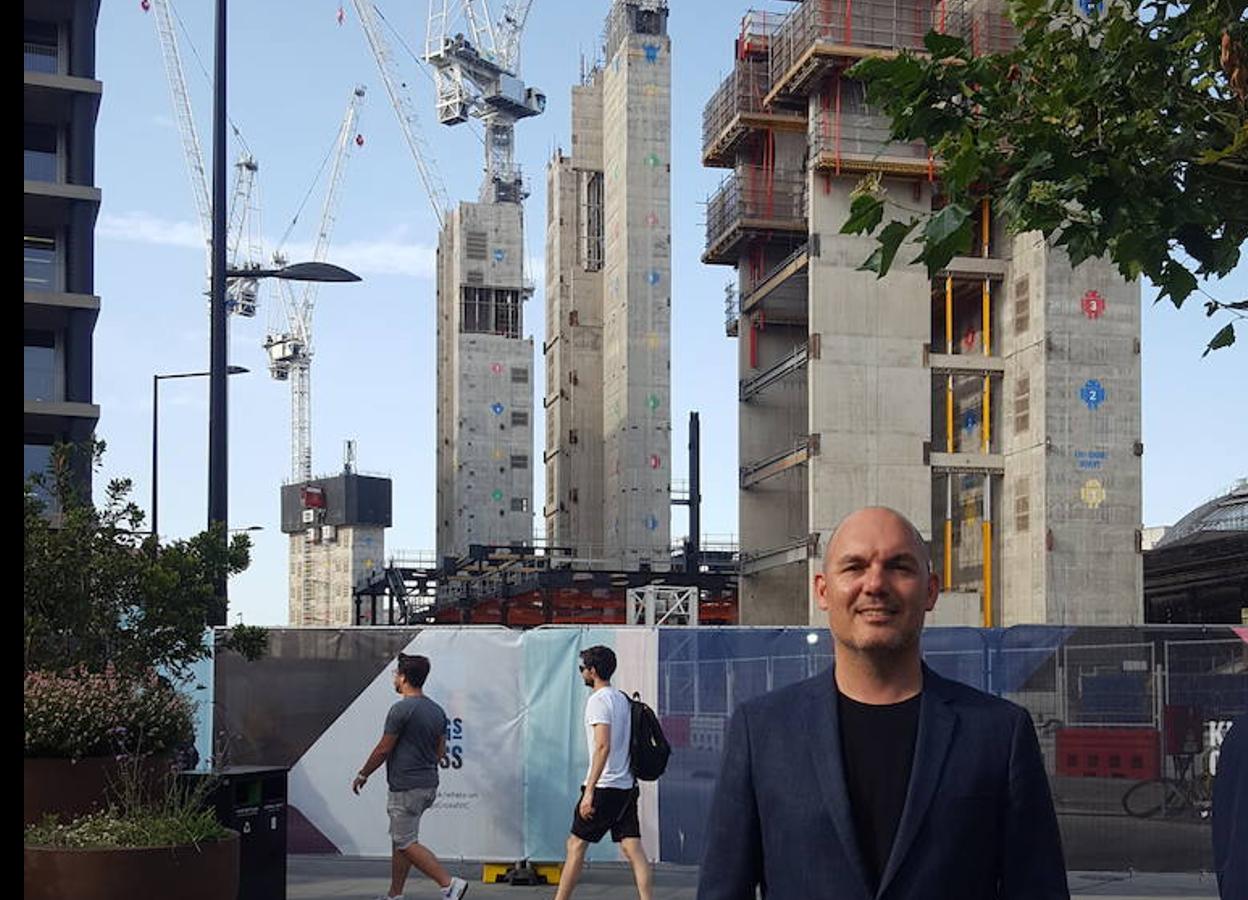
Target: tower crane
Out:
[478,76]
[290,352]
[400,99]
[240,293]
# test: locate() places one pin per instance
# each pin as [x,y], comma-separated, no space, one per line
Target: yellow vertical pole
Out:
[949,350]
[987,527]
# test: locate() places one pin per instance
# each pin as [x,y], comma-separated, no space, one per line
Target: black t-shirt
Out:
[877,749]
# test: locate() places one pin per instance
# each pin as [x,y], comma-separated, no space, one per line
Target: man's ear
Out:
[821,591]
[933,590]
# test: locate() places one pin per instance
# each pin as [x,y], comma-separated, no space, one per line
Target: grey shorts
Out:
[405,809]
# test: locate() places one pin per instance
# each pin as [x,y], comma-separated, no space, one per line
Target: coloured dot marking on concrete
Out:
[496,368]
[500,255]
[656,462]
[651,523]
[653,401]
[653,277]
[652,52]
[497,409]
[1093,305]
[1092,393]
[652,341]
[1092,493]
[652,220]
[969,338]
[970,420]
[498,454]
[653,160]
[496,495]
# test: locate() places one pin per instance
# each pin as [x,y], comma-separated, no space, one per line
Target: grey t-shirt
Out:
[413,763]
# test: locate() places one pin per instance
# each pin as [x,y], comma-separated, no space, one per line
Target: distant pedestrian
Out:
[879,778]
[1230,813]
[412,743]
[608,800]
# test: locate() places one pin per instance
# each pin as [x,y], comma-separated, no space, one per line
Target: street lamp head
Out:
[301,271]
[237,370]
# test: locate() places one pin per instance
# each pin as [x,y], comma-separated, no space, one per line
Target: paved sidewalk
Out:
[338,877]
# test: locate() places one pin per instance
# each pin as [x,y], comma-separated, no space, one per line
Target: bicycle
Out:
[1188,793]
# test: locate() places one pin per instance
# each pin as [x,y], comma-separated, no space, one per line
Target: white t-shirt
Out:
[608,706]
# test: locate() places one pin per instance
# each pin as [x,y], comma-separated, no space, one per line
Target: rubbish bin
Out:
[252,801]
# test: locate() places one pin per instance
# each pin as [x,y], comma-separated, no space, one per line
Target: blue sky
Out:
[291,69]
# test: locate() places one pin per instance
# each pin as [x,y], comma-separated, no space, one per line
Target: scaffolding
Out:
[848,135]
[754,198]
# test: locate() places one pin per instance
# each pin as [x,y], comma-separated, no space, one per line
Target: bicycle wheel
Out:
[1146,799]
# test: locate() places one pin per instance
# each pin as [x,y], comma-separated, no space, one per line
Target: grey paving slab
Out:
[337,877]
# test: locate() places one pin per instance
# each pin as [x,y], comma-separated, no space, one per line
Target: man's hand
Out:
[360,781]
[586,808]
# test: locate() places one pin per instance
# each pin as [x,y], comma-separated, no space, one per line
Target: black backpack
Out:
[648,749]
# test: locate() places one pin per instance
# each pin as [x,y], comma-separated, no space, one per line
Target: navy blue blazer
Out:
[978,821]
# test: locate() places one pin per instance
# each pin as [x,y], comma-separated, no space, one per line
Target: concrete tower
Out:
[996,405]
[485,406]
[608,350]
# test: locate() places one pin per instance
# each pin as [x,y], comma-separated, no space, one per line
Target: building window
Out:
[592,217]
[490,311]
[41,47]
[1022,304]
[1022,404]
[1022,505]
[36,458]
[519,504]
[40,266]
[519,418]
[39,157]
[519,460]
[519,375]
[41,378]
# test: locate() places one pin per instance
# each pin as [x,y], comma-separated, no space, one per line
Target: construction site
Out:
[997,404]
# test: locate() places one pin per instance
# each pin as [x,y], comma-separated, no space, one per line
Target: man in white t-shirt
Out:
[609,795]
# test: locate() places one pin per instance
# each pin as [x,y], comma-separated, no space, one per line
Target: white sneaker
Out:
[389,897]
[456,889]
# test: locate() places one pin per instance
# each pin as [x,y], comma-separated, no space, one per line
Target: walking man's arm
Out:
[375,759]
[602,750]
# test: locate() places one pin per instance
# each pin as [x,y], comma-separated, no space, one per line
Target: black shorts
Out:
[615,810]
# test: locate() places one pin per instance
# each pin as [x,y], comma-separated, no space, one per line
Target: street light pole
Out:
[218,445]
[156,380]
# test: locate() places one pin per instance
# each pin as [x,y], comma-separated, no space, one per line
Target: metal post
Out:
[218,443]
[155,470]
[693,555]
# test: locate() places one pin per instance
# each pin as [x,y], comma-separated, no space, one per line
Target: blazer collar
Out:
[936,726]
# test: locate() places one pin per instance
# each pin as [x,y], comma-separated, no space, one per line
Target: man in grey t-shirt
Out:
[412,743]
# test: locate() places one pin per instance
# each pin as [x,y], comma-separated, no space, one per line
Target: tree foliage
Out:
[1118,132]
[98,590]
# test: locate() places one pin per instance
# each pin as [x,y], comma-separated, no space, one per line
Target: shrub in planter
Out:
[76,725]
[145,841]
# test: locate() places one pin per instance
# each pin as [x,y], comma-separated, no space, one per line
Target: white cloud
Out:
[388,255]
[144,228]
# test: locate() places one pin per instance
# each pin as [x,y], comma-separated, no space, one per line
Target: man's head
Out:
[597,661]
[877,582]
[412,671]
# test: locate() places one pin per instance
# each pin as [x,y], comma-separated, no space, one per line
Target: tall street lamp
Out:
[156,380]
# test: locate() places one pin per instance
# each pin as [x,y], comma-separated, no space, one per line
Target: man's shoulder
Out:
[968,699]
[792,697]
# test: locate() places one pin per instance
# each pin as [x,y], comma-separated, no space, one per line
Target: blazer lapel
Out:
[825,749]
[931,746]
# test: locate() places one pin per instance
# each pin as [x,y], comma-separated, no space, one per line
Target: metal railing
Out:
[741,92]
[764,198]
[40,58]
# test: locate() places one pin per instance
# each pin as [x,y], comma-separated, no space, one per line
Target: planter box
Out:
[206,872]
[69,788]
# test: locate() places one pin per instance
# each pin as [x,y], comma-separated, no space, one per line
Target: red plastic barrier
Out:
[1133,753]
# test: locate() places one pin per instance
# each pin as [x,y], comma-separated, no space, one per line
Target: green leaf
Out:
[942,46]
[865,213]
[1223,338]
[890,240]
[1177,283]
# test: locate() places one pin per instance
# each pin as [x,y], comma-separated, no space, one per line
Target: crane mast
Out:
[240,293]
[290,352]
[409,124]
[478,76]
